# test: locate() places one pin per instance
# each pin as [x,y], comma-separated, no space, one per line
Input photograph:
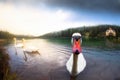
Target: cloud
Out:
[28,20]
[96,5]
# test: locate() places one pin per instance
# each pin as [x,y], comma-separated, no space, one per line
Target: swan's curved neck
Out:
[23,41]
[74,67]
[15,42]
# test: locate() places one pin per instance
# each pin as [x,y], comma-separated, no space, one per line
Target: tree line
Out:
[7,35]
[86,31]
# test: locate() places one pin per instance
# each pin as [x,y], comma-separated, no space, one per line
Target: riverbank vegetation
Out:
[5,73]
[86,31]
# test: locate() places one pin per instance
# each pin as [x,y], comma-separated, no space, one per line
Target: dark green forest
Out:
[86,31]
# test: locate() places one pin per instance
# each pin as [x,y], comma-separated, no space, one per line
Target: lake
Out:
[49,63]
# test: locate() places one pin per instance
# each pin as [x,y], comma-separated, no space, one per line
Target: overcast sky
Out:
[37,17]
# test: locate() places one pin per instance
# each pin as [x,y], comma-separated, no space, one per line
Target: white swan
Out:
[18,45]
[29,49]
[76,62]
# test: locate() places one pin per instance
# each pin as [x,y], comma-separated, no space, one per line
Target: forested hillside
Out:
[5,35]
[89,31]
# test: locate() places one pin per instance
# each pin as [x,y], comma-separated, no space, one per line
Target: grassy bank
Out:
[5,73]
[4,42]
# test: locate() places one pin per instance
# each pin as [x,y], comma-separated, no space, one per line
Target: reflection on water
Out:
[16,51]
[25,58]
[49,63]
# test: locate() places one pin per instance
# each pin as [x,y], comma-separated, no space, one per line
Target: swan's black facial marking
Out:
[77,38]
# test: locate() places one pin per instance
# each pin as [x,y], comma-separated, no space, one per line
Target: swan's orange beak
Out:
[77,46]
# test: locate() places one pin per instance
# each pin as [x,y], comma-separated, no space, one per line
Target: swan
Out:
[18,45]
[29,49]
[76,62]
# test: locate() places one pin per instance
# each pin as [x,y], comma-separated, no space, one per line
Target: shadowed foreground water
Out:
[49,63]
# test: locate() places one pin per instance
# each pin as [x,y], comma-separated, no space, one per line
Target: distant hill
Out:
[7,35]
[91,31]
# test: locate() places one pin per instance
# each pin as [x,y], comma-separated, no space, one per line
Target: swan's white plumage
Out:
[18,45]
[81,63]
[76,34]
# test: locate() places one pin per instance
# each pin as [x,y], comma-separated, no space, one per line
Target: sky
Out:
[38,17]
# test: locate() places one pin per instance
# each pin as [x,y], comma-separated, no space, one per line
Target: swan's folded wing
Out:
[81,63]
[69,64]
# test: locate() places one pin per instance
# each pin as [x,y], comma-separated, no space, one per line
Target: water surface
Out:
[49,63]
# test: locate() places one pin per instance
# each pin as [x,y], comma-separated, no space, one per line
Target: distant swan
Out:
[18,45]
[29,49]
[76,62]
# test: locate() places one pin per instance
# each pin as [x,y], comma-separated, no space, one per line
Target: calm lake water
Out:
[49,63]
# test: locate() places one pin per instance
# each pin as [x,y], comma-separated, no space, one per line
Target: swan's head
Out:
[76,43]
[23,40]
